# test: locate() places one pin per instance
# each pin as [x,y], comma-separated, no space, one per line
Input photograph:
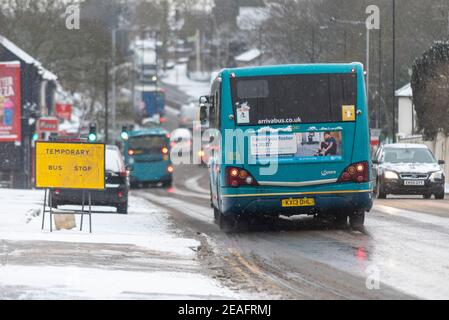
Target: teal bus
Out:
[290,140]
[147,152]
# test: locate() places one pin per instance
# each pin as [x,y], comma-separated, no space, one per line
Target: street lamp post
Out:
[113,78]
[352,22]
[394,70]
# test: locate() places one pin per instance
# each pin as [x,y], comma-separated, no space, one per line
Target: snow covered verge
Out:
[447,188]
[178,77]
[145,233]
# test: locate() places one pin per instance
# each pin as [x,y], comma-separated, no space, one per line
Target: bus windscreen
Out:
[288,99]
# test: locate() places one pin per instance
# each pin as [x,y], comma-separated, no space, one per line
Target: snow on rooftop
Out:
[405,91]
[249,55]
[250,18]
[22,55]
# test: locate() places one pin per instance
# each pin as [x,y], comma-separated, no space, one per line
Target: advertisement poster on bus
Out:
[10,103]
[312,146]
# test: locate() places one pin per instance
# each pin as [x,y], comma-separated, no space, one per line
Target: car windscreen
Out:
[314,98]
[409,155]
[147,144]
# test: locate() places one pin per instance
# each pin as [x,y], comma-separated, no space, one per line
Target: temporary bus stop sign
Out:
[78,166]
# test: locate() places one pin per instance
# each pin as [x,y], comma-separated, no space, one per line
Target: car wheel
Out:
[341,221]
[357,220]
[380,191]
[427,196]
[122,208]
[440,195]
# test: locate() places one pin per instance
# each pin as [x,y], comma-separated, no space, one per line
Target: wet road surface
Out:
[404,248]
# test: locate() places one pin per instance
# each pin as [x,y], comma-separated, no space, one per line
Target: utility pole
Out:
[198,50]
[106,102]
[394,71]
[352,22]
[113,93]
[379,118]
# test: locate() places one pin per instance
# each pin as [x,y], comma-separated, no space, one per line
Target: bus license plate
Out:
[304,202]
[413,183]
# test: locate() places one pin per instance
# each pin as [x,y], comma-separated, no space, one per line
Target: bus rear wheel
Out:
[341,221]
[226,223]
[357,220]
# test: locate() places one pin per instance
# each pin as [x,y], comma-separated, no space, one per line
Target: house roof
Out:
[405,91]
[249,55]
[25,57]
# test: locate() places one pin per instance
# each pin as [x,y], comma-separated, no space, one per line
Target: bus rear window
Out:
[316,98]
[148,144]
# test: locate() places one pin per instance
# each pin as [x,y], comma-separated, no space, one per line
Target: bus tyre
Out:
[380,191]
[122,208]
[341,221]
[167,184]
[226,223]
[357,220]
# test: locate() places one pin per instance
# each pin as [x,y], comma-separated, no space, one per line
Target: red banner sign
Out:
[48,124]
[10,103]
[64,111]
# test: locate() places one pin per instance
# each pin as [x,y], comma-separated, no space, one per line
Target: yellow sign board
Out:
[348,113]
[70,165]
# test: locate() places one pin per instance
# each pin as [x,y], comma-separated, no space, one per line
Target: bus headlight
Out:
[439,175]
[390,175]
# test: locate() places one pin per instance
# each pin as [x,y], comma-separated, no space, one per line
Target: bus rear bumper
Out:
[272,205]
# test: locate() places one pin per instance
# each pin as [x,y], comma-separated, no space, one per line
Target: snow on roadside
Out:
[178,77]
[145,226]
[447,188]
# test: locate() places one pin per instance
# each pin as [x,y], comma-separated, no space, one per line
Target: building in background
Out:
[35,89]
[406,112]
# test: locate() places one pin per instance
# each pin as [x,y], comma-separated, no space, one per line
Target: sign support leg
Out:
[82,211]
[51,211]
[45,207]
[90,212]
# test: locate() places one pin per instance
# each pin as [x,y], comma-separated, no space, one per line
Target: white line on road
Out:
[413,215]
[193,185]
[199,212]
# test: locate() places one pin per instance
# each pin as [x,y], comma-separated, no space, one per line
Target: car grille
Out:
[419,176]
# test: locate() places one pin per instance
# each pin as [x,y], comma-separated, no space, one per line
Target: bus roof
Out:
[295,69]
[148,132]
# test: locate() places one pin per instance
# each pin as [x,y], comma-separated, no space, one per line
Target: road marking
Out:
[193,185]
[413,215]
[199,212]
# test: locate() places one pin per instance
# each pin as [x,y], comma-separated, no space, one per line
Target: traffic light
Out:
[124,135]
[92,133]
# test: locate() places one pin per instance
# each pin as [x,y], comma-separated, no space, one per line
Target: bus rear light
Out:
[120,194]
[164,150]
[170,169]
[131,152]
[236,177]
[57,192]
[357,172]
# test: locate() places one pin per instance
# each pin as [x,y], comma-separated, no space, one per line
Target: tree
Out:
[430,84]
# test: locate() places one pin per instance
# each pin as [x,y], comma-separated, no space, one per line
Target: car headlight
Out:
[439,175]
[390,175]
